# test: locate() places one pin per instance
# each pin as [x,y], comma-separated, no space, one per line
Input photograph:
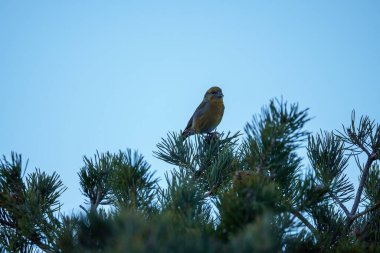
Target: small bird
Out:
[208,114]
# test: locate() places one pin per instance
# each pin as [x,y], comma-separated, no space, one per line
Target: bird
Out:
[208,114]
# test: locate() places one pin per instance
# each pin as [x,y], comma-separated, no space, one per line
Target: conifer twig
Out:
[370,209]
[6,223]
[340,203]
[371,158]
[84,209]
[211,191]
[356,141]
[42,246]
[33,239]
[305,221]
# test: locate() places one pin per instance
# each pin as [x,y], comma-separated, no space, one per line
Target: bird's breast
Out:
[217,107]
[210,119]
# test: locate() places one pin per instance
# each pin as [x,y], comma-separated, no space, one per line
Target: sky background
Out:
[81,76]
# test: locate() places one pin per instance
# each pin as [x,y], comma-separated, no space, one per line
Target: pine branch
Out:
[94,179]
[6,223]
[84,209]
[297,214]
[355,140]
[340,203]
[272,140]
[327,157]
[32,239]
[27,209]
[95,204]
[43,246]
[370,160]
[133,185]
[372,208]
[210,192]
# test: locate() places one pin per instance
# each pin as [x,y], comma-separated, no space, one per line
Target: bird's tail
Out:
[186,133]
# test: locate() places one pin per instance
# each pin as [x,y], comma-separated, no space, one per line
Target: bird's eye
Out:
[213,92]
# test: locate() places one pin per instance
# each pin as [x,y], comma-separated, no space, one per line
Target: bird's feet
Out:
[212,136]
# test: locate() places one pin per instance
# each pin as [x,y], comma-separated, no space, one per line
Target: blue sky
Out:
[81,76]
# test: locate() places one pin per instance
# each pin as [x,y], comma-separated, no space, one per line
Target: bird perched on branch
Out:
[208,114]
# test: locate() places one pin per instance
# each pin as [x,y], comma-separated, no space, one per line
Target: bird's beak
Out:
[220,95]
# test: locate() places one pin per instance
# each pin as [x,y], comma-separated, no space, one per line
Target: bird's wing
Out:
[189,124]
[199,111]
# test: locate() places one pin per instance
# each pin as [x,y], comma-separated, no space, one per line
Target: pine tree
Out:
[231,192]
[28,207]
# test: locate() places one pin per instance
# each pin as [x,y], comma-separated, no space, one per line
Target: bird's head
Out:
[214,93]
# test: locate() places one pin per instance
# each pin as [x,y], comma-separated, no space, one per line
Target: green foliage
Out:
[247,201]
[132,183]
[28,207]
[327,157]
[211,161]
[130,231]
[122,180]
[270,148]
[225,194]
[260,236]
[94,179]
[185,201]
[364,137]
[372,186]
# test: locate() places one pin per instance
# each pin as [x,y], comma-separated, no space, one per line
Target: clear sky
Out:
[80,76]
